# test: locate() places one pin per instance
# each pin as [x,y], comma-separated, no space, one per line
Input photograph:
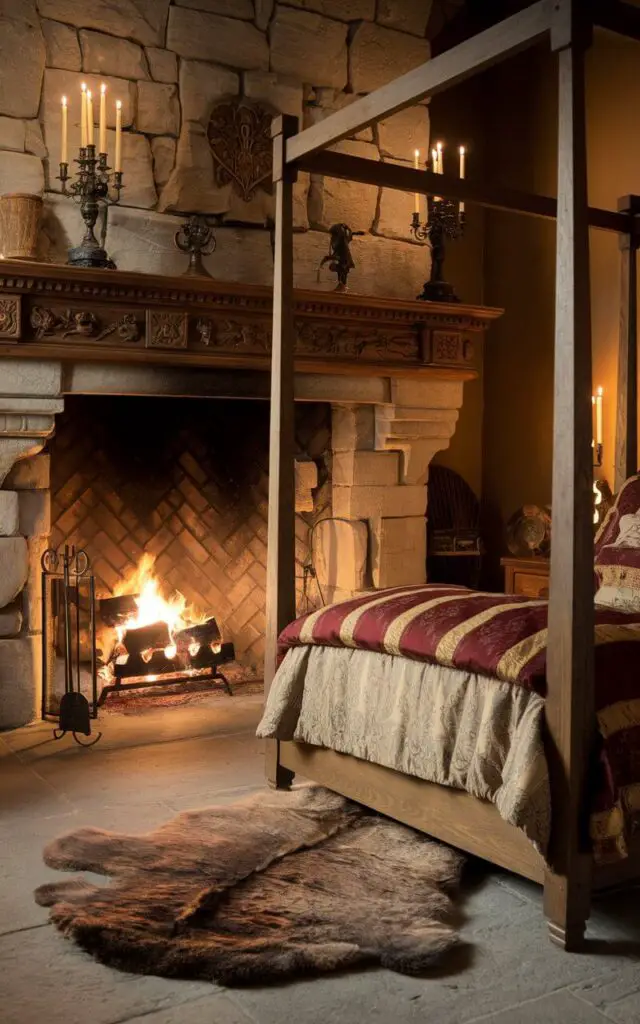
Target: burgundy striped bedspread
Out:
[505,637]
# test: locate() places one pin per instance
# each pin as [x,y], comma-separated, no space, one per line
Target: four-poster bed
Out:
[570,722]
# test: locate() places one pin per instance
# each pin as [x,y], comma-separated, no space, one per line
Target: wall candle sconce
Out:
[597,444]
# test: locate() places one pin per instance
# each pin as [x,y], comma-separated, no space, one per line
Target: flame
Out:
[152,606]
[597,500]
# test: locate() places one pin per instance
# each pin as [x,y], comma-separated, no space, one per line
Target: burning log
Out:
[191,640]
[115,611]
[155,637]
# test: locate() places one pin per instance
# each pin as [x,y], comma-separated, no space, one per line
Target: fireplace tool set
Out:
[68,619]
[141,658]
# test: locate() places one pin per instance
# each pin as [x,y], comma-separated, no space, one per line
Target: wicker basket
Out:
[20,215]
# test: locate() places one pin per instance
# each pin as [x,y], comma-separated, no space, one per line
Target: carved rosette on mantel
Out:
[393,372]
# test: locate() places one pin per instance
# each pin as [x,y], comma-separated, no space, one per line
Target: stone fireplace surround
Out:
[391,371]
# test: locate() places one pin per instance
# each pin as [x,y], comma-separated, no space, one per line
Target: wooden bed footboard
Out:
[453,817]
[450,815]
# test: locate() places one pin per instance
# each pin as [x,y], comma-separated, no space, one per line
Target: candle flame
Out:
[64,101]
[84,86]
[118,104]
[599,392]
[439,147]
[462,150]
[88,94]
[103,88]
[416,153]
[597,500]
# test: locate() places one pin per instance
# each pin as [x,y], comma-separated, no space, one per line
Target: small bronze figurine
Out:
[196,238]
[339,257]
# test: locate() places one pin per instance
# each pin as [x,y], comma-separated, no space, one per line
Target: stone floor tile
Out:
[22,868]
[212,1009]
[616,916]
[557,1008]
[617,996]
[178,768]
[46,978]
[26,794]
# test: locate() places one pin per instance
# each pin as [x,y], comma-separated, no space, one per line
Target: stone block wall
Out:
[25,522]
[170,63]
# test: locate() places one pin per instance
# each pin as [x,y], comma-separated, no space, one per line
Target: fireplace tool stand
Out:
[66,582]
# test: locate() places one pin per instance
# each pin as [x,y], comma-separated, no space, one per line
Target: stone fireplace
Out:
[133,419]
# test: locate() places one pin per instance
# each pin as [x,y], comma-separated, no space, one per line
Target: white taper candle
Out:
[65,133]
[89,118]
[83,116]
[103,119]
[118,159]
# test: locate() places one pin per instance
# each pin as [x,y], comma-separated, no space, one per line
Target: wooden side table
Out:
[526,576]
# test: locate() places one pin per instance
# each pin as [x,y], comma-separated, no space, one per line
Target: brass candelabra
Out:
[95,185]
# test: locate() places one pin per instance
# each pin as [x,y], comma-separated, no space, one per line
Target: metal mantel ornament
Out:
[239,134]
[339,256]
[196,238]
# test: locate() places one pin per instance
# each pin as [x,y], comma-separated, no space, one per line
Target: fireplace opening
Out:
[168,497]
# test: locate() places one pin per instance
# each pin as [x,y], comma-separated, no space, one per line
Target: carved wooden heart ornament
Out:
[239,134]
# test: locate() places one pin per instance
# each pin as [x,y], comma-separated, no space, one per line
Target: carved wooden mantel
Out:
[63,313]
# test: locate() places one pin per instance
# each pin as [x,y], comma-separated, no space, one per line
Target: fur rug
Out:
[278,884]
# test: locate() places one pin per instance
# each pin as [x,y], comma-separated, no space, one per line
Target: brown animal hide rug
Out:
[275,885]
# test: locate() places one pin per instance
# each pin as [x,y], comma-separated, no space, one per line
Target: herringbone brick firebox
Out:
[185,480]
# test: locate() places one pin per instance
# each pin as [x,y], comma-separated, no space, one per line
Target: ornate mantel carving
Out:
[66,313]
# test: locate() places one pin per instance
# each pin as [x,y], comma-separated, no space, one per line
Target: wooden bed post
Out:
[570,699]
[281,584]
[627,410]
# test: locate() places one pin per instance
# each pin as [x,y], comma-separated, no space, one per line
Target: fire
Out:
[153,607]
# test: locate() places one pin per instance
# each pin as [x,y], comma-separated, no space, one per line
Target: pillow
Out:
[618,574]
[629,531]
[626,503]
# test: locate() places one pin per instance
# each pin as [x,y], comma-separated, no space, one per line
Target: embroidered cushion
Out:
[627,503]
[629,532]
[618,575]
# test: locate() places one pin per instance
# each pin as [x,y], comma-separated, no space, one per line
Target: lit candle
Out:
[599,416]
[434,168]
[118,159]
[462,170]
[439,153]
[83,116]
[103,119]
[65,133]
[416,196]
[89,118]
